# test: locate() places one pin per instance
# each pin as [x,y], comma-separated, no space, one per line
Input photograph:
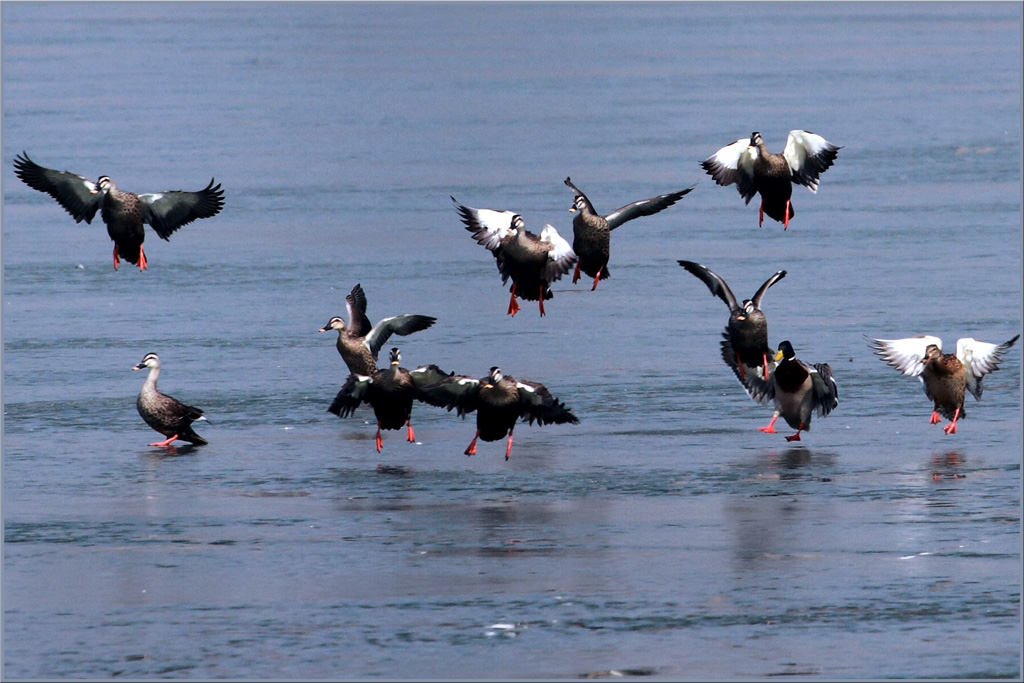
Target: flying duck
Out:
[592,231]
[798,390]
[123,212]
[755,170]
[945,376]
[390,392]
[532,262]
[359,343]
[500,400]
[164,413]
[745,340]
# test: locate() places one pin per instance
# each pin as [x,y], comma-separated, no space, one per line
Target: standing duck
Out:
[755,170]
[592,231]
[798,390]
[532,262]
[500,400]
[945,376]
[123,212]
[390,392]
[359,343]
[745,340]
[164,413]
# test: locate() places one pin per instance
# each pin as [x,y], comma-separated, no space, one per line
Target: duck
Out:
[745,340]
[390,392]
[797,390]
[755,170]
[124,213]
[359,343]
[592,231]
[164,413]
[499,401]
[946,376]
[532,262]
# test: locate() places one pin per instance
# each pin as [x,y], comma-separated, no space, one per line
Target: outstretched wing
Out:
[453,391]
[537,403]
[808,156]
[756,300]
[980,358]
[561,257]
[733,164]
[428,376]
[579,193]
[358,323]
[168,211]
[714,282]
[906,355]
[488,226]
[353,392]
[78,196]
[401,325]
[644,207]
[823,384]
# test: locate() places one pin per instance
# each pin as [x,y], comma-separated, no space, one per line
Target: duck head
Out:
[493,378]
[785,351]
[150,360]
[334,323]
[396,356]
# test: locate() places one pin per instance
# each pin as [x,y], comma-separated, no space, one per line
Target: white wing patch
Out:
[800,145]
[496,222]
[730,155]
[560,248]
[906,355]
[979,359]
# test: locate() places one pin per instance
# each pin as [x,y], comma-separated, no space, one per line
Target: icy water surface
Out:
[662,537]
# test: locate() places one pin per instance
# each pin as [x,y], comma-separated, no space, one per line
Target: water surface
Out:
[663,536]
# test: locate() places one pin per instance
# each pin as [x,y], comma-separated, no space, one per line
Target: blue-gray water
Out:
[664,535]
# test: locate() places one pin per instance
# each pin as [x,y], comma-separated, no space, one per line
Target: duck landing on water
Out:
[945,376]
[390,392]
[755,170]
[123,212]
[592,231]
[745,340]
[797,389]
[531,262]
[359,343]
[499,401]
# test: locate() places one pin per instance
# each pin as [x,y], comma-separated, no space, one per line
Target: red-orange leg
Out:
[596,278]
[576,274]
[770,429]
[513,305]
[796,437]
[508,446]
[165,442]
[409,435]
[380,442]
[471,449]
[541,300]
[117,259]
[951,427]
[142,258]
[785,223]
